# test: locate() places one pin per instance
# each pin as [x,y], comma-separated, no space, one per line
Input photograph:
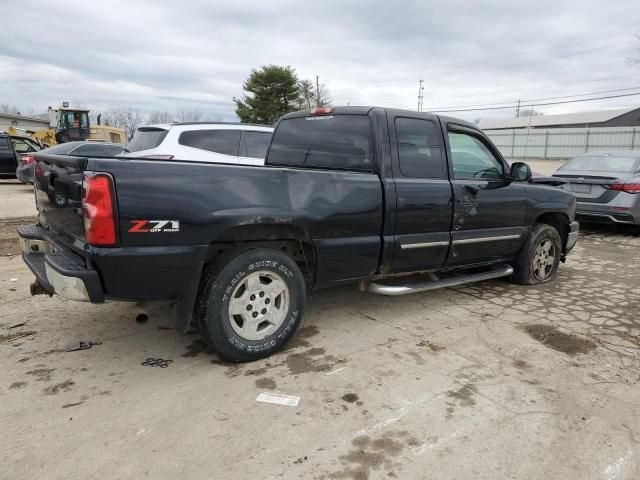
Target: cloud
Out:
[195,54]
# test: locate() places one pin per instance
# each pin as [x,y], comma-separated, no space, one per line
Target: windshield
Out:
[146,139]
[606,163]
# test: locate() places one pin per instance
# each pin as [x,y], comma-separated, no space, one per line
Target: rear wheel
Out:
[540,256]
[251,304]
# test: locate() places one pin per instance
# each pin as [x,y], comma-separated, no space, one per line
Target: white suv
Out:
[202,142]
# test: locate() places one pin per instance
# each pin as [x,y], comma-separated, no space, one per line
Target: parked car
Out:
[203,142]
[26,163]
[350,194]
[606,185]
[12,147]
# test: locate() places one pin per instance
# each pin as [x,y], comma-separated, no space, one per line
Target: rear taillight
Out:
[629,187]
[27,159]
[98,209]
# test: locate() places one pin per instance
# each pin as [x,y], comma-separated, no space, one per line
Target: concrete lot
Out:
[487,381]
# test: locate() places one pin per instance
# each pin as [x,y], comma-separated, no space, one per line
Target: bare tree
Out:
[188,115]
[10,109]
[309,99]
[127,119]
[159,117]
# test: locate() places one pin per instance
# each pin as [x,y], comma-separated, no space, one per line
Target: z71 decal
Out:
[154,226]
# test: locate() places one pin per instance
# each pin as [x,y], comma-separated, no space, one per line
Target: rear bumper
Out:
[57,269]
[610,218]
[93,274]
[616,211]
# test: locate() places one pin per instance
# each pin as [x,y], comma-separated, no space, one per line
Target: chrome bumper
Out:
[57,269]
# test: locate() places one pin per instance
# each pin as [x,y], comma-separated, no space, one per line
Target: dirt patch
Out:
[59,387]
[197,347]
[301,336]
[374,454]
[41,374]
[562,342]
[9,243]
[255,372]
[310,361]
[266,383]
[350,397]
[434,347]
[464,395]
[14,336]
[16,385]
[521,365]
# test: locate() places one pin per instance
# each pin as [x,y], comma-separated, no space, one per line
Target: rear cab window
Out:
[341,142]
[146,139]
[5,144]
[226,142]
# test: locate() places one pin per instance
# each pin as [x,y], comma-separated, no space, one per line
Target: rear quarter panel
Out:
[340,212]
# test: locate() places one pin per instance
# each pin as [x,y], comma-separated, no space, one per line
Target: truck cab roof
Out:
[365,110]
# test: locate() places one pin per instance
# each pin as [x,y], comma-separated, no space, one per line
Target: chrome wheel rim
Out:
[544,259]
[258,305]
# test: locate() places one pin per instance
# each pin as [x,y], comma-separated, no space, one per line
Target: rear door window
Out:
[5,144]
[419,149]
[226,142]
[333,142]
[146,139]
[255,144]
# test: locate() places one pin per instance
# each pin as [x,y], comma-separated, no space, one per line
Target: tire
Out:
[539,258]
[251,303]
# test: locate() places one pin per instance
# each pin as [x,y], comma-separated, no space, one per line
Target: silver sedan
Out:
[606,185]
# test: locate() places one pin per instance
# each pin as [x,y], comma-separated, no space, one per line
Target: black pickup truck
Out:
[397,201]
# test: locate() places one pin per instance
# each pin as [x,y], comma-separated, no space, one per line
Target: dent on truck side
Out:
[339,211]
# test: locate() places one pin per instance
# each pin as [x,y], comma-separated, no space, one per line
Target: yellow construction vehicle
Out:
[70,124]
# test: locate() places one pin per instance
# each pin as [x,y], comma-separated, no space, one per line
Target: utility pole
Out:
[317,91]
[420,95]
[518,110]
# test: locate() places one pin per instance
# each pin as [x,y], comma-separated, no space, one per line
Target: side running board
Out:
[395,290]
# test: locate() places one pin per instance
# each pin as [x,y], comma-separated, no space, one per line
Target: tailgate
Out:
[58,188]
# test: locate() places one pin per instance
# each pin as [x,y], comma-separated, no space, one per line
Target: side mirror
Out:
[520,172]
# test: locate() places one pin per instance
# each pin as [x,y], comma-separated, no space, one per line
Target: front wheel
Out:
[251,304]
[540,256]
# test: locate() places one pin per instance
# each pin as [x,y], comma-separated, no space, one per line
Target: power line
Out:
[537,99]
[533,104]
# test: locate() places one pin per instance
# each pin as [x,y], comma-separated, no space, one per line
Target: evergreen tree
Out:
[270,92]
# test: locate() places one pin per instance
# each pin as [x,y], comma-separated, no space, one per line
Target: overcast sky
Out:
[169,55]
